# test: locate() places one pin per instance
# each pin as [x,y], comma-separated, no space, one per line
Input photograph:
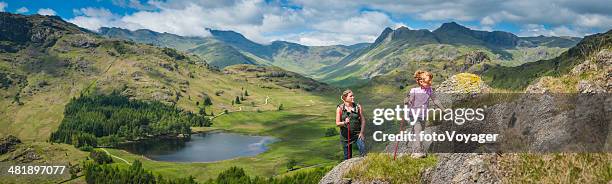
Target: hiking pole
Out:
[348,141]
[397,142]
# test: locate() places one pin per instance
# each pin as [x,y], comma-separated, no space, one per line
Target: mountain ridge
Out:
[403,46]
[233,48]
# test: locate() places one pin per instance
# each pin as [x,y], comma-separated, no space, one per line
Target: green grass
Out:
[48,154]
[300,127]
[382,167]
[557,168]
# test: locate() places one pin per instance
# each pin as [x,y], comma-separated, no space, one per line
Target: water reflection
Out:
[205,147]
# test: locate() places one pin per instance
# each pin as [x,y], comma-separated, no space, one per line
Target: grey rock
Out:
[8,144]
[335,176]
[463,168]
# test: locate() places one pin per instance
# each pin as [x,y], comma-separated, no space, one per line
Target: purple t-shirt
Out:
[418,98]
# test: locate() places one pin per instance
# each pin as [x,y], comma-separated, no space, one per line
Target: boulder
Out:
[8,144]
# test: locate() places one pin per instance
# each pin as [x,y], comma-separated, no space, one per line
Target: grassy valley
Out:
[40,78]
[61,85]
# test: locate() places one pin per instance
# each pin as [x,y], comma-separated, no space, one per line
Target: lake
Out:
[202,147]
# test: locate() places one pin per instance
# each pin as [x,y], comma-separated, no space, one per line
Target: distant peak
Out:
[383,35]
[401,28]
[451,26]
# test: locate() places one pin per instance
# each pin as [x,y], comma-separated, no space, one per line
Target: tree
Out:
[202,111]
[246,93]
[207,101]
[100,157]
[237,101]
[92,120]
[233,175]
[291,164]
[280,107]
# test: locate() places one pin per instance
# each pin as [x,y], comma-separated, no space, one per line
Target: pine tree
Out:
[237,100]
[246,93]
[202,111]
[207,101]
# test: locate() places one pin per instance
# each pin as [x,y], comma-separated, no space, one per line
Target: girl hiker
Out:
[418,98]
[349,118]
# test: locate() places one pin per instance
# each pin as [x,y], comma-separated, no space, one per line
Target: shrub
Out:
[329,132]
[100,157]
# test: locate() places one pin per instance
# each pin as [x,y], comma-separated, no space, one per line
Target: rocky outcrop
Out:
[36,29]
[460,87]
[472,60]
[335,176]
[598,70]
[463,168]
[8,144]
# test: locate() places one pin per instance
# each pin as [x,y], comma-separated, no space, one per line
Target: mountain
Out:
[45,61]
[404,48]
[225,48]
[212,50]
[583,61]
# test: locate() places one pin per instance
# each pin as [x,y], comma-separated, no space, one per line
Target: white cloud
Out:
[22,10]
[584,16]
[487,21]
[365,23]
[256,19]
[323,38]
[537,30]
[594,20]
[46,11]
[321,22]
[2,6]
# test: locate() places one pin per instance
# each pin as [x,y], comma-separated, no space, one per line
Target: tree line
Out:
[106,173]
[105,120]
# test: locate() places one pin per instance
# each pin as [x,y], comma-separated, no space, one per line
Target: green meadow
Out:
[299,127]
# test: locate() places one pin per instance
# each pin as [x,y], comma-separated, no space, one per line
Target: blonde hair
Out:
[344,94]
[418,76]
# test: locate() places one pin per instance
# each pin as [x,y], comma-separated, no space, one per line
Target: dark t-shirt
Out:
[354,120]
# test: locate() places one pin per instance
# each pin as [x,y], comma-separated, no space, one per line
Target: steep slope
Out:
[403,47]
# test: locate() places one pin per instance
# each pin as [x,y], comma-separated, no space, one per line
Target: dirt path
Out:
[116,156]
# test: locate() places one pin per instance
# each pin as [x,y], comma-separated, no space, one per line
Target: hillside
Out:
[520,77]
[404,47]
[50,57]
[46,62]
[225,48]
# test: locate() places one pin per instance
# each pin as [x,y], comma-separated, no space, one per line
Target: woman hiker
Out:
[349,118]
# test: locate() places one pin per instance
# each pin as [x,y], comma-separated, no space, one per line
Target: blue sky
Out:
[323,22]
